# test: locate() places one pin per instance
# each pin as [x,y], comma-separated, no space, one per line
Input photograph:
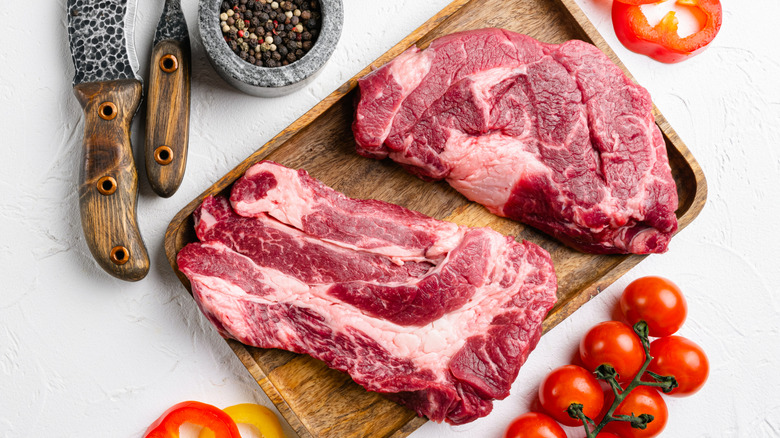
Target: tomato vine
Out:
[607,373]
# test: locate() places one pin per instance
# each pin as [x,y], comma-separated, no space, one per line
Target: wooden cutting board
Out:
[319,402]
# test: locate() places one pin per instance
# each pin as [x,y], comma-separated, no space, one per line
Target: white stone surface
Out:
[83,354]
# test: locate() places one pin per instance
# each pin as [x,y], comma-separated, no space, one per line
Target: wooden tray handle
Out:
[108,180]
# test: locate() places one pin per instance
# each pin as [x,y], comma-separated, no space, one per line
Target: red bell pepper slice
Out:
[662,42]
[639,2]
[208,416]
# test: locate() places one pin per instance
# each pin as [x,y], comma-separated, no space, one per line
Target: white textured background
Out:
[83,354]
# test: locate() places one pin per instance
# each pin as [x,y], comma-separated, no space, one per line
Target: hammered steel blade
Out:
[101,40]
[172,25]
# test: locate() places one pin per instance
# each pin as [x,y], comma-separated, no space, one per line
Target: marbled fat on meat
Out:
[555,136]
[438,317]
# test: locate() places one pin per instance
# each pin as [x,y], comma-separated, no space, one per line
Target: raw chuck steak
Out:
[555,136]
[436,316]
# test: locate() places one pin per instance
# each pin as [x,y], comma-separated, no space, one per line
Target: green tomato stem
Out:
[607,373]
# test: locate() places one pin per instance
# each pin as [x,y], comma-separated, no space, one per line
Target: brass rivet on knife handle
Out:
[167,116]
[107,111]
[163,155]
[120,255]
[106,185]
[169,63]
[109,222]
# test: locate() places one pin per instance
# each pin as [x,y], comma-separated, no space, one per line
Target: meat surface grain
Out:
[554,136]
[436,316]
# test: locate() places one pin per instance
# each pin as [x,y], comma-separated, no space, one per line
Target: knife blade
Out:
[168,102]
[109,91]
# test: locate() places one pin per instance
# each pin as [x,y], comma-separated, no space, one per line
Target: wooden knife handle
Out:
[109,181]
[168,116]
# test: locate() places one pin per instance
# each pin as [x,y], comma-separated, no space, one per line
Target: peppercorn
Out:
[270,33]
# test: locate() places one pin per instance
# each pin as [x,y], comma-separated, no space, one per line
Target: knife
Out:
[109,91]
[168,102]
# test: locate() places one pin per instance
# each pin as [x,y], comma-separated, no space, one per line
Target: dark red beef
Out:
[438,317]
[555,136]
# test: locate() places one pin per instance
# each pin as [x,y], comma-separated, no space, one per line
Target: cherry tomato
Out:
[657,301]
[570,384]
[613,343]
[606,435]
[683,359]
[642,400]
[534,425]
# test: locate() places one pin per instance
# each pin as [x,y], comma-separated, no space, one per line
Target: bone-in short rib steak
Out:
[555,136]
[438,317]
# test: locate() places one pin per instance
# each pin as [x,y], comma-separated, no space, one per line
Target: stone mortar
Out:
[269,81]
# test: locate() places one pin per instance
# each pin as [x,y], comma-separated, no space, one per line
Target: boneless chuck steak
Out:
[438,317]
[555,136]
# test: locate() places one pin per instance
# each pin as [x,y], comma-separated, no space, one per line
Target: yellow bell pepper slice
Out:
[255,415]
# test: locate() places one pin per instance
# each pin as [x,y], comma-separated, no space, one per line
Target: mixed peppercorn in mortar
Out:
[270,33]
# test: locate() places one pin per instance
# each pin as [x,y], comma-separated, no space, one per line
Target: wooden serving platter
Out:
[320,402]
